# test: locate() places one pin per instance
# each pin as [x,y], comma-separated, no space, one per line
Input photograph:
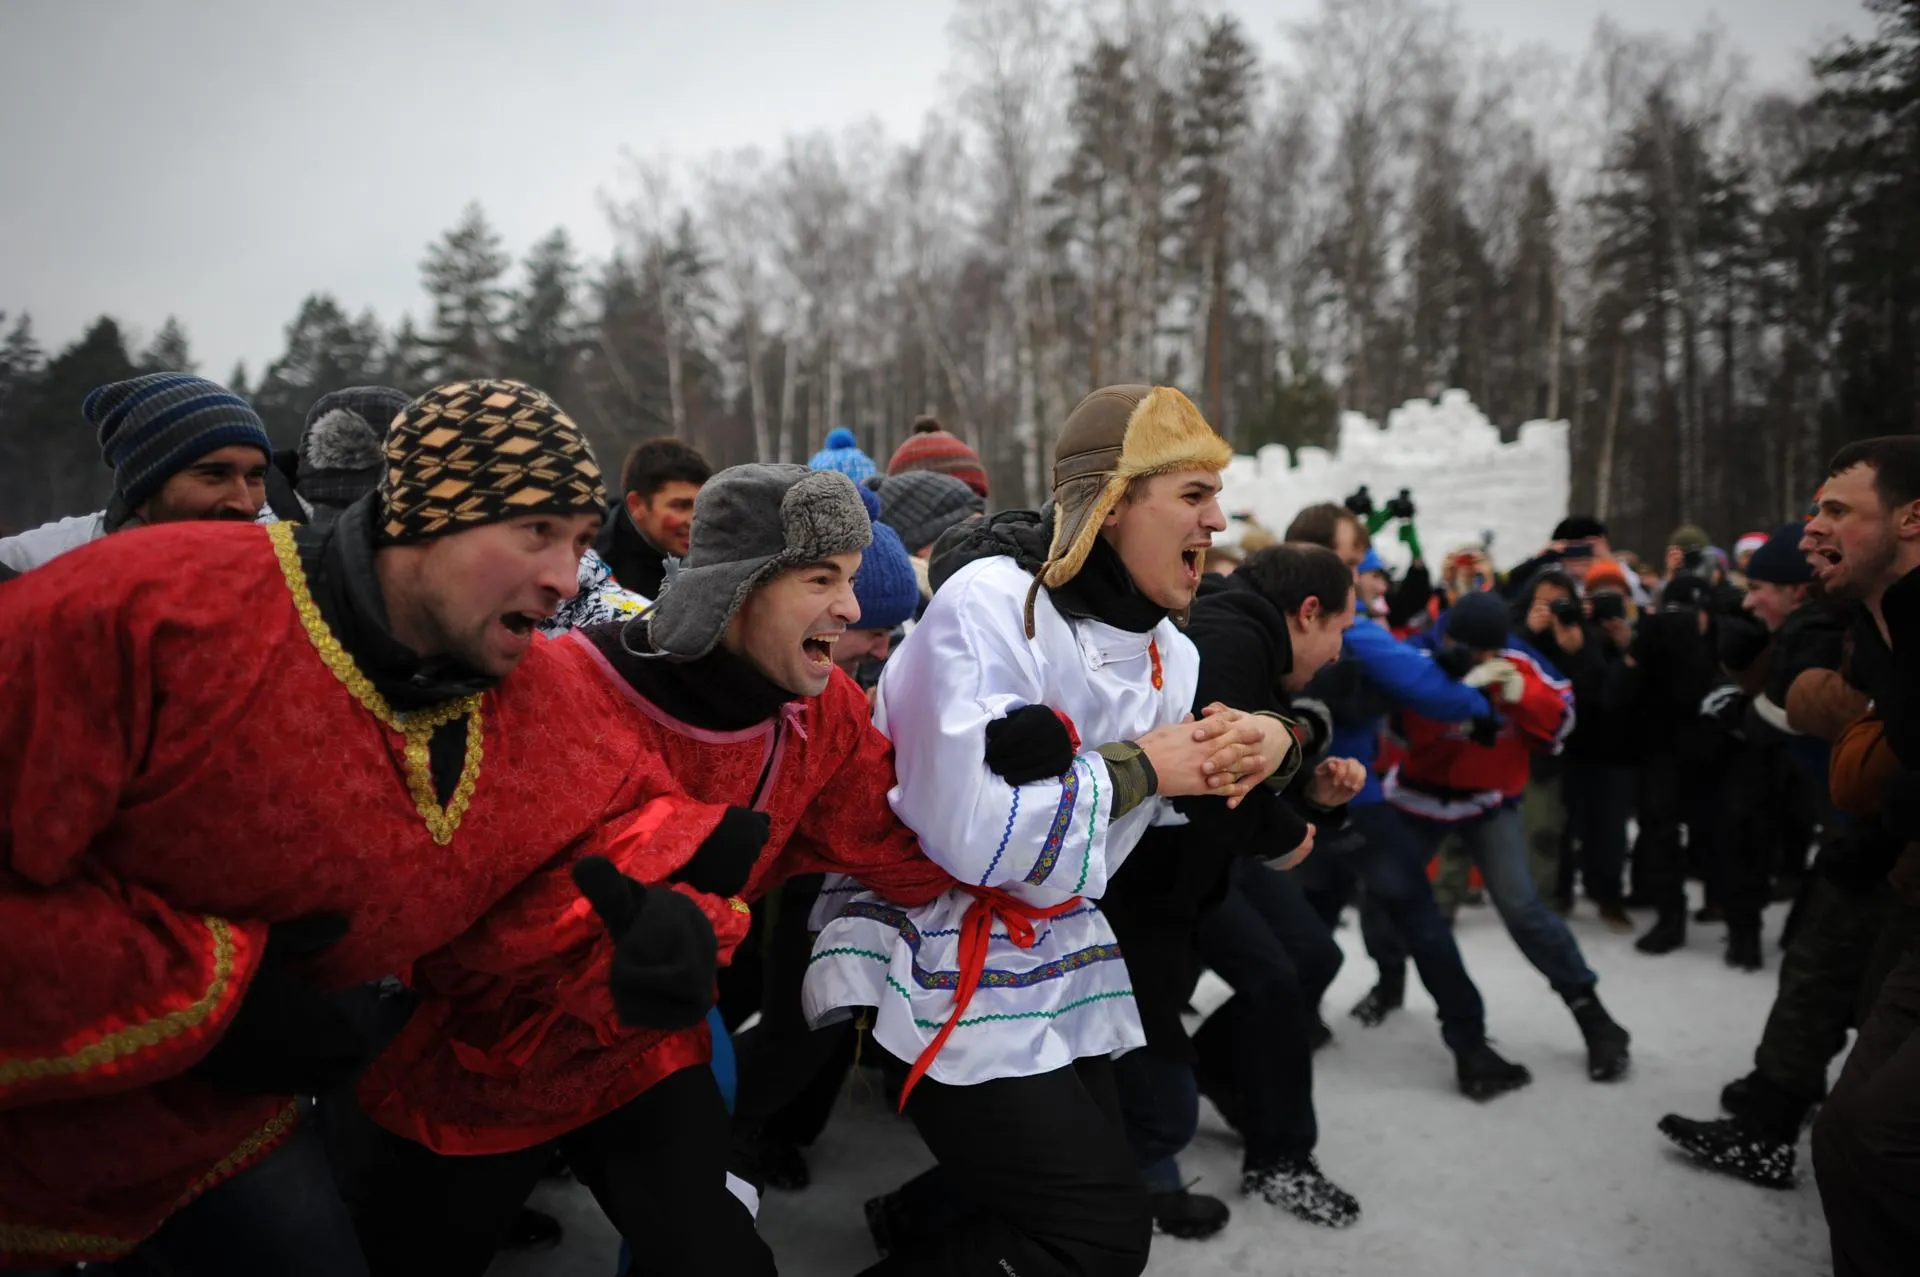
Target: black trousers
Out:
[1675,794]
[788,1075]
[1035,1179]
[1267,942]
[1866,1144]
[657,1167]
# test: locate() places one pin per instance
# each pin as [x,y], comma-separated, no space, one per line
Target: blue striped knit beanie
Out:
[843,453]
[155,426]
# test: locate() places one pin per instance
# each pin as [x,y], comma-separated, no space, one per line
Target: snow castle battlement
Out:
[1466,482]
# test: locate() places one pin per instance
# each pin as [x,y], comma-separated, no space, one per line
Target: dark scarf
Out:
[1103,591]
[338,559]
[638,564]
[720,692]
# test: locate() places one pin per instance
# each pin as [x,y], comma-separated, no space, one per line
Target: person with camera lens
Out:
[1595,776]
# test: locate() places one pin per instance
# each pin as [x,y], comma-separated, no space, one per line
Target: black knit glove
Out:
[1485,732]
[724,862]
[1029,744]
[664,953]
[288,1038]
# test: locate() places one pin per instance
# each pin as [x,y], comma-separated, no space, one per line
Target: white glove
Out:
[1501,673]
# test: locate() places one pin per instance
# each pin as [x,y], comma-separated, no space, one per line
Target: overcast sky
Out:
[219,159]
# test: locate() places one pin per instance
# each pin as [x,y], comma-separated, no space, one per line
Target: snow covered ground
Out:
[1564,1179]
[1467,484]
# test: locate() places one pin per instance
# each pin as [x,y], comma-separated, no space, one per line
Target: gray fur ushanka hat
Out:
[751,523]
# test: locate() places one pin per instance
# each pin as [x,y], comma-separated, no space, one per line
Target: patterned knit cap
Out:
[921,504]
[931,448]
[155,426]
[341,449]
[843,453]
[477,452]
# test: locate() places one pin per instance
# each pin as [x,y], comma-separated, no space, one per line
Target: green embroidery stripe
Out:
[881,958]
[1093,820]
[1074,1005]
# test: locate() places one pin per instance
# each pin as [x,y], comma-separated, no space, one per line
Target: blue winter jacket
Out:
[1375,675]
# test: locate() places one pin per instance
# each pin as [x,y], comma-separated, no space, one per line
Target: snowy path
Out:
[1566,1178]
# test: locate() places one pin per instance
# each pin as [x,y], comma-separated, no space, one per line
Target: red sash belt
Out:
[990,905]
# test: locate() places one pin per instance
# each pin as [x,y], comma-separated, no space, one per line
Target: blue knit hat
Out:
[843,453]
[155,426]
[885,586]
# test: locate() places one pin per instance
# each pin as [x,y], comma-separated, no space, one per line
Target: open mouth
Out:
[520,624]
[819,650]
[1190,564]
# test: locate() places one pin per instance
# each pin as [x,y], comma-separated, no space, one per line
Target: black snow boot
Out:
[1296,1184]
[1484,1073]
[1669,932]
[1736,1147]
[1607,1057]
[1743,947]
[1384,998]
[1187,1215]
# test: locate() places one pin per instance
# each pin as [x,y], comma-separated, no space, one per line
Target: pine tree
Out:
[1222,78]
[21,366]
[543,321]
[237,381]
[325,351]
[409,360]
[66,476]
[463,275]
[168,351]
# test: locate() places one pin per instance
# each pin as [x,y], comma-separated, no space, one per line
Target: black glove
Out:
[1485,733]
[1029,744]
[288,1038]
[1455,660]
[723,863]
[664,953]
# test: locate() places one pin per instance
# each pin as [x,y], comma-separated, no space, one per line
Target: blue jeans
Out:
[1160,1104]
[1497,842]
[1400,919]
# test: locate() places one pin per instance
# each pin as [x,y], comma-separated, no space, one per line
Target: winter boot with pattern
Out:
[1736,1147]
[1607,1056]
[1296,1184]
[1384,998]
[1188,1215]
[1484,1073]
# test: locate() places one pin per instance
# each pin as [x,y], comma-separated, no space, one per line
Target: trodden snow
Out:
[1566,1178]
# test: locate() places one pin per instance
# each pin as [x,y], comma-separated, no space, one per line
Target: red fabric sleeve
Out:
[108,988]
[849,827]
[1545,710]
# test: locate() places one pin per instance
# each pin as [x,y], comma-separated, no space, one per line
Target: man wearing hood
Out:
[1040,723]
[181,449]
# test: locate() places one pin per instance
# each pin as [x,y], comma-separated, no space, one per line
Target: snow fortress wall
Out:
[1465,482]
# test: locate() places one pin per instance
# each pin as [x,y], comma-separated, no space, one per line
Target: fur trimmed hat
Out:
[1114,436]
[751,523]
[471,453]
